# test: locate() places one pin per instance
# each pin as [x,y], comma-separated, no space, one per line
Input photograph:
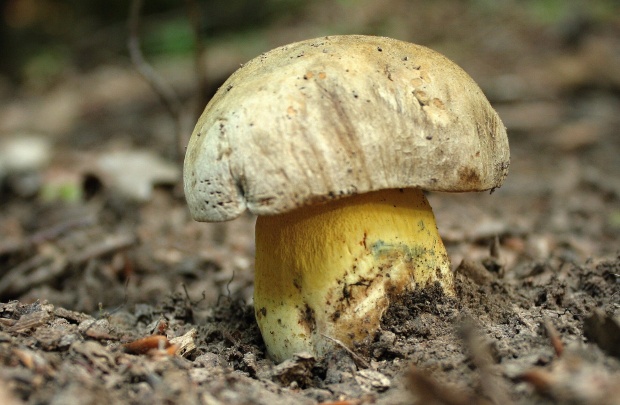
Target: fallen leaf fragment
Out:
[30,321]
[145,345]
[22,157]
[135,173]
[24,152]
[343,402]
[371,380]
[554,337]
[539,378]
[184,344]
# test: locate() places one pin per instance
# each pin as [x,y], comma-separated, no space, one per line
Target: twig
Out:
[45,235]
[59,229]
[228,297]
[193,15]
[166,93]
[109,244]
[35,271]
[356,358]
[125,298]
[50,263]
[554,337]
[30,321]
[494,248]
[343,402]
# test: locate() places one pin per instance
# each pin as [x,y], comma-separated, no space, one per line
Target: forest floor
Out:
[111,293]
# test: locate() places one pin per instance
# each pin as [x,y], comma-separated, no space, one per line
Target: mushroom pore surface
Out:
[329,271]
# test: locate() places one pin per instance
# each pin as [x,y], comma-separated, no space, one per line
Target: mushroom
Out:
[331,142]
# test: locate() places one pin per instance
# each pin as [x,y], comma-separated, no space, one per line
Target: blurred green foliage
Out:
[42,37]
[173,36]
[46,38]
[552,11]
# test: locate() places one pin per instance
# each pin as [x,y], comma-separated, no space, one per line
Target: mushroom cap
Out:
[329,117]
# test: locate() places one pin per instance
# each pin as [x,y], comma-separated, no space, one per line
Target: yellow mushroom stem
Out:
[329,271]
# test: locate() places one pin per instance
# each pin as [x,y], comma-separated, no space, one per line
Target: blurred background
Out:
[518,50]
[86,145]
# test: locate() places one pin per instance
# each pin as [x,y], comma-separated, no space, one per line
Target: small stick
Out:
[59,229]
[343,402]
[193,15]
[554,337]
[166,93]
[33,272]
[358,359]
[494,248]
[109,244]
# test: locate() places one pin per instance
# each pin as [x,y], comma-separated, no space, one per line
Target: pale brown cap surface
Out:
[329,117]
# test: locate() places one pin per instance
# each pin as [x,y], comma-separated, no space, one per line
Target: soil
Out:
[112,297]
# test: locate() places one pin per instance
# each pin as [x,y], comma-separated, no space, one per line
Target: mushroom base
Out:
[328,272]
